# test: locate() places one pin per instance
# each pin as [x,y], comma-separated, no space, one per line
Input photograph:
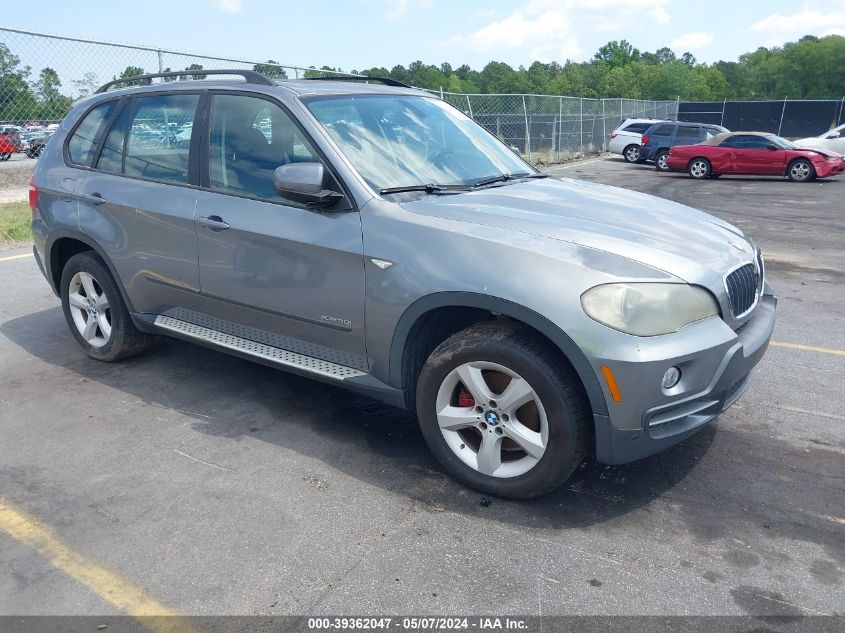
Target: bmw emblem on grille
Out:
[491,418]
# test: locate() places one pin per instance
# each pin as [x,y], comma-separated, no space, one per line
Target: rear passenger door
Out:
[138,199]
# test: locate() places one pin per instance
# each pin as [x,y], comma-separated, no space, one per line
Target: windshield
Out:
[401,141]
[782,142]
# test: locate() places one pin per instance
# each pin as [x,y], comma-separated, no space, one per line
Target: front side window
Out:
[158,145]
[250,138]
[81,145]
[401,141]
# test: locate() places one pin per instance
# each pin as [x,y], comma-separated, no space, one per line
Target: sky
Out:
[358,34]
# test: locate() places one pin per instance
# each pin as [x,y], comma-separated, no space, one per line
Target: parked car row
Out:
[30,141]
[707,151]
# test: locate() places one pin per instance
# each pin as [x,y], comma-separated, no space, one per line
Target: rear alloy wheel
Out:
[661,161]
[801,170]
[631,154]
[501,412]
[699,168]
[95,311]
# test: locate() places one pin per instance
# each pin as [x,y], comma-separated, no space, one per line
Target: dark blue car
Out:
[661,136]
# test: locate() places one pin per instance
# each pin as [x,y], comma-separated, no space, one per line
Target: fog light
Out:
[670,378]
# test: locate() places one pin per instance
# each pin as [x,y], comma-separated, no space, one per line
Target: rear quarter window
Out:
[81,146]
[637,128]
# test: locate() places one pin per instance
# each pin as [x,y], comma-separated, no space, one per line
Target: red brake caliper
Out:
[465,399]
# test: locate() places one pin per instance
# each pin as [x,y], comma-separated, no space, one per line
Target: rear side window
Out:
[710,132]
[111,156]
[159,141]
[662,130]
[81,145]
[687,133]
[638,128]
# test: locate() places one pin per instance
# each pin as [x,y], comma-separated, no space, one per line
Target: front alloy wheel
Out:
[502,410]
[801,171]
[492,419]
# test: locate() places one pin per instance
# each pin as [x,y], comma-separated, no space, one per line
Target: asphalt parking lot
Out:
[215,486]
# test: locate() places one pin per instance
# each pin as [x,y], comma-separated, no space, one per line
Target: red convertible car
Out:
[754,153]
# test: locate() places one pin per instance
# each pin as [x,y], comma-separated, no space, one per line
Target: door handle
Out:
[213,222]
[92,198]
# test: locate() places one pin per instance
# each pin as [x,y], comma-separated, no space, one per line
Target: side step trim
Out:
[275,355]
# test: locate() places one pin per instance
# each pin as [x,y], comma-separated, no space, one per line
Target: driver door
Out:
[275,270]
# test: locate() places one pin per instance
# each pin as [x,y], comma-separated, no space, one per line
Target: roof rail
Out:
[250,76]
[387,81]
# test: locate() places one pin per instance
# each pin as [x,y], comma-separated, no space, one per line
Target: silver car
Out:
[373,237]
[626,139]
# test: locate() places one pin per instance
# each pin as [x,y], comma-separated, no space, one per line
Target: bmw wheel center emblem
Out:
[491,418]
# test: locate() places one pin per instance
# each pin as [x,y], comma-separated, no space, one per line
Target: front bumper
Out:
[653,419]
[830,168]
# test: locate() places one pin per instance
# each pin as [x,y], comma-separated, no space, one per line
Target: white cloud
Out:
[691,41]
[660,15]
[800,22]
[548,29]
[230,6]
[398,8]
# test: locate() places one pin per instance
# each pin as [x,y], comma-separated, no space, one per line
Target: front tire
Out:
[502,412]
[631,154]
[699,168]
[801,170]
[95,311]
[661,161]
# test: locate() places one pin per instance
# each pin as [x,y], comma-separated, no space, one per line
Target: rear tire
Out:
[95,311]
[631,153]
[660,160]
[801,170]
[501,412]
[699,168]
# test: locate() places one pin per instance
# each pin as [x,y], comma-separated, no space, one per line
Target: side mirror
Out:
[772,147]
[303,183]
[833,135]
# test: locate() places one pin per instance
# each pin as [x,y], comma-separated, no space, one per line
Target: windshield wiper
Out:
[507,177]
[429,188]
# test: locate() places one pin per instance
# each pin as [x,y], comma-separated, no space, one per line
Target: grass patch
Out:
[15,223]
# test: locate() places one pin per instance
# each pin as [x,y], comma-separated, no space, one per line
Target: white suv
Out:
[625,139]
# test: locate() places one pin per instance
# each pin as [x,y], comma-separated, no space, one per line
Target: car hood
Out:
[671,237]
[818,150]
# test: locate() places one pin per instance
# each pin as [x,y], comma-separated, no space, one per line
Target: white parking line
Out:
[586,162]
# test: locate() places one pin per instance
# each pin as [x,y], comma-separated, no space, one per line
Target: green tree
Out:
[16,98]
[86,85]
[617,53]
[271,69]
[194,66]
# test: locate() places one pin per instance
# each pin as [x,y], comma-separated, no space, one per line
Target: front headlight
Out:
[648,309]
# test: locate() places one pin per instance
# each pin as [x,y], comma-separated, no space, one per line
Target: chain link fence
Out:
[42,75]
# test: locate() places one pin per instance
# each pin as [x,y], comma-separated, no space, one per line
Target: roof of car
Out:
[717,140]
[299,87]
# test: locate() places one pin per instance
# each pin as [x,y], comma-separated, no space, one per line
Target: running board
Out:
[275,355]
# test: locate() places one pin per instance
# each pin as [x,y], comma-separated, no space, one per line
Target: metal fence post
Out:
[469,106]
[724,105]
[527,129]
[581,125]
[782,112]
[160,62]
[603,128]
[560,126]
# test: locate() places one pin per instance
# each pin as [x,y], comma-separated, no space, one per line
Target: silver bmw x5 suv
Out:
[371,236]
